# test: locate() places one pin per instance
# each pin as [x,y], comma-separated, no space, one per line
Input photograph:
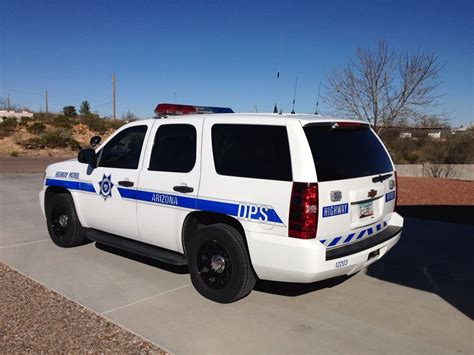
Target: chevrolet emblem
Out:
[372,193]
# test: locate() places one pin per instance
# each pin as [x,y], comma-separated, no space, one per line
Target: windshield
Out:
[346,152]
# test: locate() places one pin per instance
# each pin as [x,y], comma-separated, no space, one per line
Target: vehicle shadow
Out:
[434,254]
[141,259]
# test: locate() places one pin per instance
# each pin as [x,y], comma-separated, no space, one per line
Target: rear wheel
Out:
[219,264]
[64,227]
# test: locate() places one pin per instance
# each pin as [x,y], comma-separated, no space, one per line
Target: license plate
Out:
[366,209]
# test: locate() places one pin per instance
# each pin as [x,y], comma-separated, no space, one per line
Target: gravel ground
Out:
[431,191]
[34,319]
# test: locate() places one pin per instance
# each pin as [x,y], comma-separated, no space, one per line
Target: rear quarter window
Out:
[252,151]
[346,152]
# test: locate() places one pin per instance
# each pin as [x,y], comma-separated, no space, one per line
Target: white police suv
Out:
[236,197]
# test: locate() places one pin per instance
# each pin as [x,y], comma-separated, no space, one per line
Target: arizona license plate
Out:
[366,209]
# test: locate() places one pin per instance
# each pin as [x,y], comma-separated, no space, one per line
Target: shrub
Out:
[62,121]
[95,123]
[14,153]
[36,128]
[7,126]
[24,121]
[59,138]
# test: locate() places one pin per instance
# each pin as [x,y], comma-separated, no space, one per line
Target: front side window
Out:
[123,151]
[174,149]
[252,151]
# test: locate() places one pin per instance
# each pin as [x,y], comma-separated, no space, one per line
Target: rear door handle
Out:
[125,183]
[183,189]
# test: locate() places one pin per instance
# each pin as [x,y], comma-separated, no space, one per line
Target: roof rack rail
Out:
[163,110]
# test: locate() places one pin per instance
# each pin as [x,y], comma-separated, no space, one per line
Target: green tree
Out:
[85,109]
[69,111]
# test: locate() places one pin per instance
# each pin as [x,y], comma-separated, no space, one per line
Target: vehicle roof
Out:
[234,117]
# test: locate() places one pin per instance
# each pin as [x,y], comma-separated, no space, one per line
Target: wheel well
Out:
[52,191]
[196,220]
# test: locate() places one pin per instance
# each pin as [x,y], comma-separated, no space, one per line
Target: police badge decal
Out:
[106,187]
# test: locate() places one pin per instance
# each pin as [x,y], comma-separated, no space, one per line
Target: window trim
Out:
[252,124]
[102,148]
[153,147]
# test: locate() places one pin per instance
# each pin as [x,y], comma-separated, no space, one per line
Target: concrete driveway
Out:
[418,299]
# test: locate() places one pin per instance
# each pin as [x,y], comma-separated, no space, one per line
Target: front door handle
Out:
[126,183]
[183,189]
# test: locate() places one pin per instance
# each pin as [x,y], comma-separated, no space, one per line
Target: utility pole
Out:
[113,96]
[8,103]
[46,100]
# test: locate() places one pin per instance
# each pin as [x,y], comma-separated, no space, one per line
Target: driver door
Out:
[118,167]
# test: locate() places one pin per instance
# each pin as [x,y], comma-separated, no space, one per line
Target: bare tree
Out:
[383,87]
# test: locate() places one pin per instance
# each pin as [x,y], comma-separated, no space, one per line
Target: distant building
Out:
[468,129]
[408,132]
[16,114]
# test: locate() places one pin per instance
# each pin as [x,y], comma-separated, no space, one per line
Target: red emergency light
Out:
[175,109]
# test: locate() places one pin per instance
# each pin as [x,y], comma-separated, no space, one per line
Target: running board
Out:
[136,247]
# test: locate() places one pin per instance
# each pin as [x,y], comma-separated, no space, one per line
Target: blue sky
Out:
[222,53]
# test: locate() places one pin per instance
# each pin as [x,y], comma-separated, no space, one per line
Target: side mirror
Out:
[95,141]
[87,156]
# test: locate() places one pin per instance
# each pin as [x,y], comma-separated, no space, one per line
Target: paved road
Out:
[27,164]
[418,299]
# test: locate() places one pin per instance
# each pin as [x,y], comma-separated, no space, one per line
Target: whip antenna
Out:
[294,97]
[317,100]
[275,107]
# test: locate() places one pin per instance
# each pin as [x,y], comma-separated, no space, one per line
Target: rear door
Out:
[356,181]
[247,171]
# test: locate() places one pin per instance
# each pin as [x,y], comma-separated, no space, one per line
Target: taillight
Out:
[303,220]
[396,190]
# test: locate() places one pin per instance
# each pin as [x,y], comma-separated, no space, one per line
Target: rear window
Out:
[252,151]
[346,152]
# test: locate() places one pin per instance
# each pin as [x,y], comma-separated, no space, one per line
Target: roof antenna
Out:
[317,100]
[275,107]
[294,97]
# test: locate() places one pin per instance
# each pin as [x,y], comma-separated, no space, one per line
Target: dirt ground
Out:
[431,191]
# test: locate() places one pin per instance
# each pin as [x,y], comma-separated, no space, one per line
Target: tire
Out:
[219,264]
[67,231]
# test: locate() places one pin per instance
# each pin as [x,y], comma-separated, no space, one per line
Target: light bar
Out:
[175,109]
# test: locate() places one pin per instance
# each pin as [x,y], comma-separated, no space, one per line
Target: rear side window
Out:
[346,152]
[252,151]
[174,149]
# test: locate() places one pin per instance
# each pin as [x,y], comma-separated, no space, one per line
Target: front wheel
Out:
[64,227]
[219,264]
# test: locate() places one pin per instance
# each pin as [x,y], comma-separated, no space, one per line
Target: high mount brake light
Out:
[303,221]
[348,124]
[175,109]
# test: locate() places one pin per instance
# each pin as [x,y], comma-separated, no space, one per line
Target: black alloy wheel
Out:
[64,227]
[219,263]
[215,266]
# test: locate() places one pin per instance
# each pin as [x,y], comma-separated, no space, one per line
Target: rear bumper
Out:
[293,260]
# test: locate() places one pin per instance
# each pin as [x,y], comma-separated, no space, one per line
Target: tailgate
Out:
[362,210]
